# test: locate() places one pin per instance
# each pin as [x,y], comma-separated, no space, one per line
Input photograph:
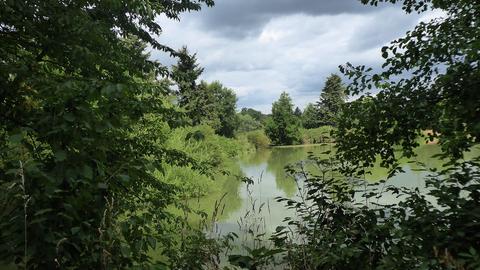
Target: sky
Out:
[260,48]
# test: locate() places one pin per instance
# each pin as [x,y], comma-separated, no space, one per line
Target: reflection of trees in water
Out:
[281,157]
[426,159]
[229,184]
[258,158]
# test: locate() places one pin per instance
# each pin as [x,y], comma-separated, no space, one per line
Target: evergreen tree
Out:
[185,74]
[283,127]
[332,98]
[297,112]
[310,117]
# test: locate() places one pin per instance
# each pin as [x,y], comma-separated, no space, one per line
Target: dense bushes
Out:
[213,151]
[256,138]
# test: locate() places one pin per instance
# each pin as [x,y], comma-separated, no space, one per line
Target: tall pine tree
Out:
[185,74]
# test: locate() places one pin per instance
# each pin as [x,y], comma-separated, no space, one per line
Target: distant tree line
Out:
[283,127]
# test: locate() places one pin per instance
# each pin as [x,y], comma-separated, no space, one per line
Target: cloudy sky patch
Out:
[260,48]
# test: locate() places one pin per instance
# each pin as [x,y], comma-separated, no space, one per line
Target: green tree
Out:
[81,133]
[283,127]
[297,112]
[331,100]
[247,123]
[422,86]
[225,102]
[257,115]
[201,107]
[310,117]
[185,74]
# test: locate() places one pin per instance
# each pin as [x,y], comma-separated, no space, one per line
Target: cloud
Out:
[239,18]
[281,45]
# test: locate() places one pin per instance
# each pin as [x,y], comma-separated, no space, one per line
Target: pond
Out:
[254,206]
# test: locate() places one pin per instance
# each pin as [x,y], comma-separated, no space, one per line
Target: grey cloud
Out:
[241,18]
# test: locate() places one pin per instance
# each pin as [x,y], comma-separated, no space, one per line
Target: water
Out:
[266,168]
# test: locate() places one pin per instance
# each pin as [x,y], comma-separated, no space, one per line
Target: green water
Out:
[266,168]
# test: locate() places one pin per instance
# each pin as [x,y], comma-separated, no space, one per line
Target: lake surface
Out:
[253,207]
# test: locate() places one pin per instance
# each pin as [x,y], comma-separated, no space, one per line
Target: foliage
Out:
[185,74]
[257,138]
[423,86]
[202,144]
[341,224]
[297,112]
[225,102]
[82,118]
[206,103]
[331,100]
[247,123]
[257,115]
[310,117]
[317,135]
[283,127]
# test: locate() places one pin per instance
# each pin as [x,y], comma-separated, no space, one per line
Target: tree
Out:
[247,123]
[257,115]
[201,106]
[185,74]
[331,100]
[82,120]
[423,86]
[297,112]
[310,117]
[195,99]
[225,102]
[283,127]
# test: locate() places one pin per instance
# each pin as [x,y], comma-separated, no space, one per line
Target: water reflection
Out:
[266,168]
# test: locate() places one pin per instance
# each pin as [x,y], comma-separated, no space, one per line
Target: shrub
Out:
[258,139]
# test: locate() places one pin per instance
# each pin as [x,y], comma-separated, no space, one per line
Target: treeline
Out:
[285,124]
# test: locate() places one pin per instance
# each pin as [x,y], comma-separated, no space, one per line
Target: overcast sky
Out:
[260,48]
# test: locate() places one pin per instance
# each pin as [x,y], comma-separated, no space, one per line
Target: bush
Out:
[257,139]
[209,149]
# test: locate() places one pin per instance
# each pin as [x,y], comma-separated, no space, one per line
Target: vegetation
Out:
[438,94]
[284,127]
[317,135]
[206,103]
[257,138]
[256,115]
[340,221]
[331,100]
[103,151]
[247,123]
[309,117]
[83,137]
